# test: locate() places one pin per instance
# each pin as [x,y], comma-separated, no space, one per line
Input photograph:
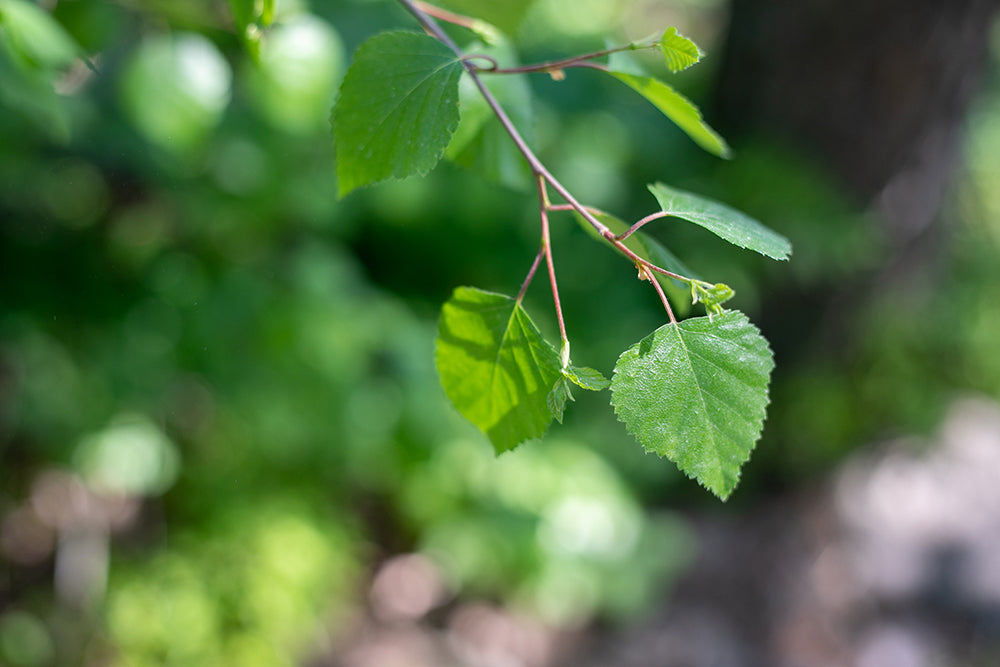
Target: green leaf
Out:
[586,378]
[397,110]
[679,51]
[723,221]
[696,393]
[495,367]
[713,296]
[677,108]
[556,400]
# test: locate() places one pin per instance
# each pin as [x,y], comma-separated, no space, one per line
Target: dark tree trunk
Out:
[877,88]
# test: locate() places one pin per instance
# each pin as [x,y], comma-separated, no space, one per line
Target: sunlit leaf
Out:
[696,393]
[397,110]
[496,368]
[677,108]
[678,51]
[723,221]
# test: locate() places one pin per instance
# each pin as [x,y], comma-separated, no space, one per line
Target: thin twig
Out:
[494,65]
[445,15]
[644,262]
[537,168]
[531,273]
[659,290]
[637,226]
[543,204]
[566,63]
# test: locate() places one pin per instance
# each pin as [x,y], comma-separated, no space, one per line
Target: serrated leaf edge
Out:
[759,423]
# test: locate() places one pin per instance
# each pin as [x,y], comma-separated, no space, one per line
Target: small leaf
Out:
[397,110]
[723,221]
[586,378]
[496,368]
[679,51]
[557,398]
[677,108]
[713,296]
[696,393]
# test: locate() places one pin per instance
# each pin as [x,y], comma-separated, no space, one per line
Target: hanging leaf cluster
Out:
[694,390]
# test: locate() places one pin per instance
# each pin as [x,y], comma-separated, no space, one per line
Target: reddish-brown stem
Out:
[659,290]
[567,207]
[640,261]
[531,274]
[534,163]
[637,226]
[481,56]
[566,63]
[543,204]
[445,15]
[542,175]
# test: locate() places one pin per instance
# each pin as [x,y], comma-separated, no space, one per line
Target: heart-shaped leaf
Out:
[678,51]
[496,368]
[696,393]
[397,110]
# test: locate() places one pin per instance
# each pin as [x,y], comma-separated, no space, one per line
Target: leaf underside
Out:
[677,108]
[496,368]
[696,393]
[397,109]
[725,222]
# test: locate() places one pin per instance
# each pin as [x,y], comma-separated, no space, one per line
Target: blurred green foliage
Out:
[223,377]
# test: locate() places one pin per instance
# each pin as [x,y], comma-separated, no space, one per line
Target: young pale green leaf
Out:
[679,51]
[713,296]
[586,378]
[677,108]
[696,393]
[723,221]
[496,368]
[397,110]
